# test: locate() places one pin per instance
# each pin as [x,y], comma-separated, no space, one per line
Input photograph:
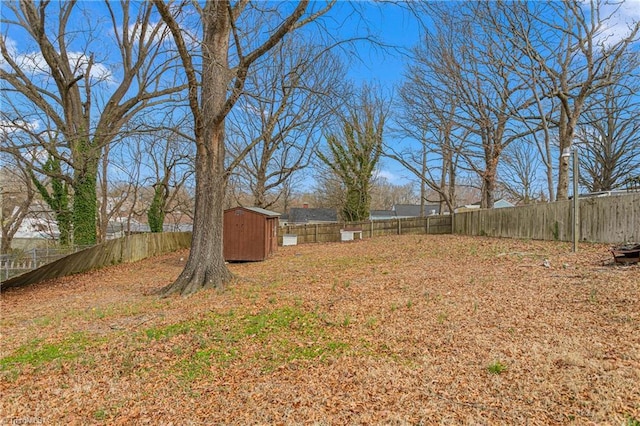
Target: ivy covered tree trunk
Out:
[353,154]
[85,205]
[155,214]
[57,199]
[357,205]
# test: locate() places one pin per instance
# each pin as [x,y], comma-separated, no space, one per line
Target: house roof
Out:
[413,210]
[382,214]
[498,204]
[502,203]
[305,215]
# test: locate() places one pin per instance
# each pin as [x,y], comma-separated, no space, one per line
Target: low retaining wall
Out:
[123,250]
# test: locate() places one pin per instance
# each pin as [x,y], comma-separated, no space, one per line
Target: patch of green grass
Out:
[372,322]
[496,367]
[285,334]
[442,317]
[168,331]
[315,350]
[100,414]
[42,321]
[270,322]
[631,421]
[346,321]
[36,353]
[201,362]
[593,296]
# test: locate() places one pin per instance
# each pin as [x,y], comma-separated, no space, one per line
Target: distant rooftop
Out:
[307,215]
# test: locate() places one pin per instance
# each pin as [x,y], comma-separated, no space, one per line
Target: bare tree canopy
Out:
[292,92]
[490,73]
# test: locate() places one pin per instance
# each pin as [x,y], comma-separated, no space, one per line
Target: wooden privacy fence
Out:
[330,232]
[122,250]
[612,219]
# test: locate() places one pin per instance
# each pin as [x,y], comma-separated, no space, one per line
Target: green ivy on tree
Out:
[155,214]
[57,199]
[354,154]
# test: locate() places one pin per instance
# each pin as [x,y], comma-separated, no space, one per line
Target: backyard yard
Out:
[415,329]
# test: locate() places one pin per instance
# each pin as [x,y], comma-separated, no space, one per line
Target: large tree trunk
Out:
[206,267]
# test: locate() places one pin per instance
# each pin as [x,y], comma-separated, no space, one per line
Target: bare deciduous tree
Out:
[233,39]
[519,172]
[65,82]
[292,92]
[571,49]
[609,137]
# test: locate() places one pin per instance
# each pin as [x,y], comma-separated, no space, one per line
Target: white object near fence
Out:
[289,240]
[349,234]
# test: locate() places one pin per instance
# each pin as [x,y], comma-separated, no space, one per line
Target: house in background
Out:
[309,216]
[499,204]
[38,229]
[413,210]
[402,211]
[382,215]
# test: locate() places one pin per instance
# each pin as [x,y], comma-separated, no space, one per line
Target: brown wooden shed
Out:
[250,233]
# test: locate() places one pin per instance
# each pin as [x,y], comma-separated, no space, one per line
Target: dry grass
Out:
[394,330]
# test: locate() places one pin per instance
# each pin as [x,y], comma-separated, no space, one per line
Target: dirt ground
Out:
[393,330]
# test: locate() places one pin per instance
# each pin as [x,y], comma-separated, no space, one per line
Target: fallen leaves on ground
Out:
[401,330]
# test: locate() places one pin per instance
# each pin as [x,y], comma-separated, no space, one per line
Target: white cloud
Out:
[161,34]
[34,63]
[620,18]
[389,176]
[10,127]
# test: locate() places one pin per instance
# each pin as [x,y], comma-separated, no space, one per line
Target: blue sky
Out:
[383,62]
[396,28]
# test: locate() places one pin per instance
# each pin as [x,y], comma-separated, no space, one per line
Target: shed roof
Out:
[258,210]
[263,211]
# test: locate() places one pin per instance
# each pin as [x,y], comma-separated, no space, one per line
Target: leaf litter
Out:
[395,330]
